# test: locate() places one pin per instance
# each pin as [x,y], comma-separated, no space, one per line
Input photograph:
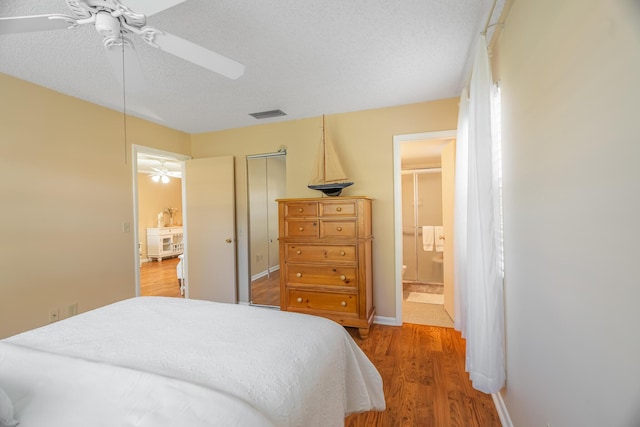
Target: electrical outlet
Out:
[54,315]
[126,227]
[72,309]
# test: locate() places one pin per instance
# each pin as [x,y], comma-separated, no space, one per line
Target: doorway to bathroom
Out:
[424,227]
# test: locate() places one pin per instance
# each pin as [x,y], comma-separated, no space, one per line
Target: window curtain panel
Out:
[479,306]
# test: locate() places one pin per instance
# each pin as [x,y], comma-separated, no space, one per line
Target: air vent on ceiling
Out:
[268,114]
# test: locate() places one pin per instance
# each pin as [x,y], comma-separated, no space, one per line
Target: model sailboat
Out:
[328,175]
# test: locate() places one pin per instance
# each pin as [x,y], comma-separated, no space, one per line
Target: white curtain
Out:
[478,277]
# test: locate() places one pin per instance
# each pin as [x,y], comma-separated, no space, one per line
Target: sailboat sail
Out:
[328,175]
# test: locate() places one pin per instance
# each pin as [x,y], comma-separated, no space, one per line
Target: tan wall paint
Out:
[66,189]
[153,198]
[364,142]
[571,127]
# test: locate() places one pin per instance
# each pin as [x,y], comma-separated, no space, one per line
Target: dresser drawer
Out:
[320,253]
[301,228]
[301,209]
[322,275]
[345,229]
[325,301]
[338,208]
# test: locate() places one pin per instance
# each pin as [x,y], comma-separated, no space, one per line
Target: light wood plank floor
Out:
[422,368]
[160,278]
[425,383]
[266,290]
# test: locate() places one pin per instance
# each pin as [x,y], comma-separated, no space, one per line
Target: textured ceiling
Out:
[305,57]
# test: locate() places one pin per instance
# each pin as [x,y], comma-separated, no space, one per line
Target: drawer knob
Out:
[342,253]
[343,277]
[343,303]
[339,209]
[298,252]
[298,275]
[301,229]
[299,299]
[339,228]
[300,210]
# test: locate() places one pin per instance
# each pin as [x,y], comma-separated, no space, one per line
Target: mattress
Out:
[226,364]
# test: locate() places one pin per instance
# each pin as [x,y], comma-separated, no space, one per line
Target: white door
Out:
[448,158]
[209,224]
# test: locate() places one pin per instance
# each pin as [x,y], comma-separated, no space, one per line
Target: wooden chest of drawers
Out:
[325,259]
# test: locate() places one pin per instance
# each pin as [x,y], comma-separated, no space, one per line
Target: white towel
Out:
[427,238]
[439,237]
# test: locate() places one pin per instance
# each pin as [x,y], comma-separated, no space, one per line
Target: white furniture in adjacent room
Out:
[164,242]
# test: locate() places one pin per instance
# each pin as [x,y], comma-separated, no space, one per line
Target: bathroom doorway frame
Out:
[398,140]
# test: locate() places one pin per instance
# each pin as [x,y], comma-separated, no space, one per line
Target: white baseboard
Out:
[265,272]
[388,321]
[503,413]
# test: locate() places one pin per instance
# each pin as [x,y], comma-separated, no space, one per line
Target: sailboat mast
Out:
[324,151]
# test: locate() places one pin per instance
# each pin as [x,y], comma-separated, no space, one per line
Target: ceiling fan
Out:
[162,174]
[117,23]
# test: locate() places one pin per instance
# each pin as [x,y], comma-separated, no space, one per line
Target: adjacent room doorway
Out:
[208,268]
[423,203]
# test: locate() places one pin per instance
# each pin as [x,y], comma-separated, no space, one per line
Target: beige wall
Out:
[570,84]
[66,190]
[364,142]
[67,185]
[153,198]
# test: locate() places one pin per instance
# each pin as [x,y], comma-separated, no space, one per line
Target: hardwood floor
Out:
[266,290]
[422,367]
[160,278]
[425,383]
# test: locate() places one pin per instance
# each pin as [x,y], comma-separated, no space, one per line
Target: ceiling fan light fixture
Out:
[165,179]
[155,178]
[107,25]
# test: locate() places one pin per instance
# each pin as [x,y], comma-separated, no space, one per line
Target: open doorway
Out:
[158,224]
[423,187]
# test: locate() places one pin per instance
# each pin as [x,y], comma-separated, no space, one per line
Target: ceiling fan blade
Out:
[27,24]
[133,77]
[149,7]
[198,55]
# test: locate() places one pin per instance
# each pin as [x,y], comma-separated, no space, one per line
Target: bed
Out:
[157,361]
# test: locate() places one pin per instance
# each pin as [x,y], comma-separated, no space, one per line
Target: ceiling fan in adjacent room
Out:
[117,24]
[163,174]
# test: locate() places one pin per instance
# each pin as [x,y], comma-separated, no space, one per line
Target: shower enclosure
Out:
[421,226]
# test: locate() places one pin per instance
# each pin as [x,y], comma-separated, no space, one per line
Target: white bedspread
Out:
[58,391]
[297,370]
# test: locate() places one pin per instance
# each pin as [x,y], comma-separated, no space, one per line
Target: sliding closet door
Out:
[266,178]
